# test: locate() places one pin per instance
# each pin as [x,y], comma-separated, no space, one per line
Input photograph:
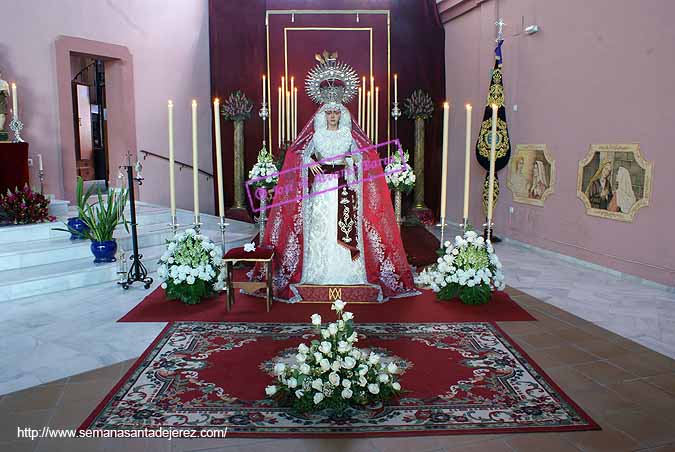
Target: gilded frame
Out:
[607,154]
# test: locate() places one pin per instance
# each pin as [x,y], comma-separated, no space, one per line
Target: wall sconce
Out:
[531,29]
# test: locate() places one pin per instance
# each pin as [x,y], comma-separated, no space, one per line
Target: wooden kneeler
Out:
[260,255]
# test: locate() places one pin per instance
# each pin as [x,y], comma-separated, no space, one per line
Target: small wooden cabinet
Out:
[14,167]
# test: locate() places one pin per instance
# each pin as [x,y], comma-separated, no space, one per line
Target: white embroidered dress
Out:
[325,261]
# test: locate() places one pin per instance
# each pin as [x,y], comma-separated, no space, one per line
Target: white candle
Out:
[292,116]
[467,162]
[195,157]
[364,109]
[491,183]
[377,98]
[40,162]
[395,88]
[295,113]
[264,90]
[15,102]
[280,115]
[372,108]
[288,116]
[368,116]
[172,183]
[283,109]
[219,154]
[360,100]
[444,168]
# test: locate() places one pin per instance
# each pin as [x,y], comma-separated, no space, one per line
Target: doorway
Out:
[90,120]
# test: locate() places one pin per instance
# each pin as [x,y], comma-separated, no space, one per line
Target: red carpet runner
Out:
[423,308]
[457,378]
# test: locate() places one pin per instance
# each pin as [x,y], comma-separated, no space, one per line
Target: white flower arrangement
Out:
[331,373]
[264,167]
[191,267]
[399,174]
[468,268]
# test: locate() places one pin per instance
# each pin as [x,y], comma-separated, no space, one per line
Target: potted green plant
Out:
[76,223]
[101,219]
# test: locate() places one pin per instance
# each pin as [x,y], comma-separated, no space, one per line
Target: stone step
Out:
[81,272]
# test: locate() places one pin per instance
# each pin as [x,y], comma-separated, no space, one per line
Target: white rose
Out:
[325,347]
[347,393]
[363,369]
[349,363]
[292,382]
[325,334]
[374,388]
[347,316]
[318,397]
[384,378]
[318,356]
[374,358]
[325,365]
[334,378]
[317,384]
[302,348]
[279,368]
[304,368]
[336,365]
[338,305]
[396,386]
[346,383]
[332,329]
[362,381]
[164,286]
[301,358]
[341,325]
[299,393]
[316,320]
[392,368]
[344,347]
[356,353]
[354,337]
[271,390]
[190,279]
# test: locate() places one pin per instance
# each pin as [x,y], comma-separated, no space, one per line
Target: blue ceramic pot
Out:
[79,226]
[104,251]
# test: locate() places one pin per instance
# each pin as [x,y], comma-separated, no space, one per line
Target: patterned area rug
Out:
[458,378]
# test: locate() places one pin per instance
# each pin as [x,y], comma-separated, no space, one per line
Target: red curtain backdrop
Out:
[239,58]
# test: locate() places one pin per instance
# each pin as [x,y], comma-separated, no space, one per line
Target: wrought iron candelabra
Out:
[137,271]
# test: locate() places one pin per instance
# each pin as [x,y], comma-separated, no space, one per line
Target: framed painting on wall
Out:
[614,181]
[531,174]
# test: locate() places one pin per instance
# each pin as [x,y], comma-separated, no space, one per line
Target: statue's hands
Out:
[316,169]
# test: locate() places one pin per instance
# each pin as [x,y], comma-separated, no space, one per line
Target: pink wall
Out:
[168,42]
[597,72]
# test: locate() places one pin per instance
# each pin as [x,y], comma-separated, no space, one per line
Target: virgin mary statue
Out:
[332,221]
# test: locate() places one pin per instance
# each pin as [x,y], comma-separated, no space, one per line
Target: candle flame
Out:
[446,105]
[170,103]
[468,106]
[395,76]
[194,102]
[13,85]
[216,100]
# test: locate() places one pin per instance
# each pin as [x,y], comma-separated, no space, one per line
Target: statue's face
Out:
[333,118]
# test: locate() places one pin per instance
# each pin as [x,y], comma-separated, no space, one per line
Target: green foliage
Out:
[101,217]
[189,293]
[479,294]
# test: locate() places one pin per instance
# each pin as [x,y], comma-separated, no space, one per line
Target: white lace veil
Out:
[345,118]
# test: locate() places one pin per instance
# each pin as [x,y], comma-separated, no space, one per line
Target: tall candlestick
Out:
[195,160]
[467,164]
[444,168]
[291,109]
[264,90]
[288,116]
[282,102]
[368,116]
[396,88]
[491,183]
[360,101]
[372,108]
[377,99]
[364,109]
[280,116]
[172,180]
[40,162]
[295,112]
[219,154]
[15,102]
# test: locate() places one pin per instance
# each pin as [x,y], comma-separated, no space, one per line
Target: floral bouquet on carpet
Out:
[399,174]
[191,267]
[331,374]
[468,269]
[25,206]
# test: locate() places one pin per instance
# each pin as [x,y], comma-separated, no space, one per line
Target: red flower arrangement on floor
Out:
[26,206]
